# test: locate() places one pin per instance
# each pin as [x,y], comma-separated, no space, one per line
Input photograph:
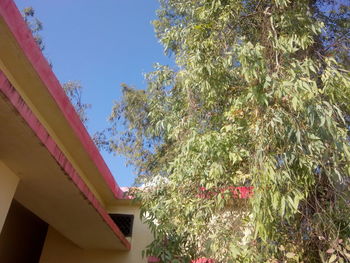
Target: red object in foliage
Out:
[238,192]
[152,259]
[203,260]
[244,192]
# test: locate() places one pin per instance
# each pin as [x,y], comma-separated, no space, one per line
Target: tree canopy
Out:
[34,25]
[259,97]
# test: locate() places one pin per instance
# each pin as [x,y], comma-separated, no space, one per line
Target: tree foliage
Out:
[74,90]
[259,97]
[34,24]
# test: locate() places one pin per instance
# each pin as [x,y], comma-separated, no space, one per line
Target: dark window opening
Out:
[124,222]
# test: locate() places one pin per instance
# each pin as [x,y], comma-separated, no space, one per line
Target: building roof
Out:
[35,103]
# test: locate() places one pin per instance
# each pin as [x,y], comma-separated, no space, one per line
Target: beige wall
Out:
[58,249]
[8,185]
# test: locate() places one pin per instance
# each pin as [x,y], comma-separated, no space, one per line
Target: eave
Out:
[28,70]
[66,182]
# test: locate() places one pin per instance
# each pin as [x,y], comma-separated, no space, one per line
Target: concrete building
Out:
[58,200]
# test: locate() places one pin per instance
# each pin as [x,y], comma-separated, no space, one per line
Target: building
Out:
[58,200]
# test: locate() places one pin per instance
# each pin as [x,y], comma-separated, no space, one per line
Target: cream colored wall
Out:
[58,249]
[8,185]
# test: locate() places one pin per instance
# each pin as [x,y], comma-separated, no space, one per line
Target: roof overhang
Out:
[49,185]
[64,179]
[24,65]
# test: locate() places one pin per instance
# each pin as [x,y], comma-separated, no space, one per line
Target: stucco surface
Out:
[8,185]
[58,249]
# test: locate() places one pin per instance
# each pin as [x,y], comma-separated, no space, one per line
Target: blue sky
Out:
[101,44]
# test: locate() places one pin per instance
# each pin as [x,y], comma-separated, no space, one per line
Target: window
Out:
[124,222]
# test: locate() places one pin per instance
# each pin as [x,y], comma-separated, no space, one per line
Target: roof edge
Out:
[24,38]
[39,130]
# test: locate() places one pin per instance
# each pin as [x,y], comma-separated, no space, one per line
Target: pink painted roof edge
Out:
[16,100]
[19,29]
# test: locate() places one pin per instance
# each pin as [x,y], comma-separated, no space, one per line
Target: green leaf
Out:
[332,259]
[297,135]
[283,206]
[295,103]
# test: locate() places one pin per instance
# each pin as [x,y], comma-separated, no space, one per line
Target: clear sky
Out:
[101,44]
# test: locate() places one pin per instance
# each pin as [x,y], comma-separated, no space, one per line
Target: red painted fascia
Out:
[203,260]
[19,104]
[19,29]
[237,192]
[152,259]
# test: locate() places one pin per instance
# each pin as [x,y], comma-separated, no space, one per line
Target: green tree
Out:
[74,91]
[259,97]
[34,24]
